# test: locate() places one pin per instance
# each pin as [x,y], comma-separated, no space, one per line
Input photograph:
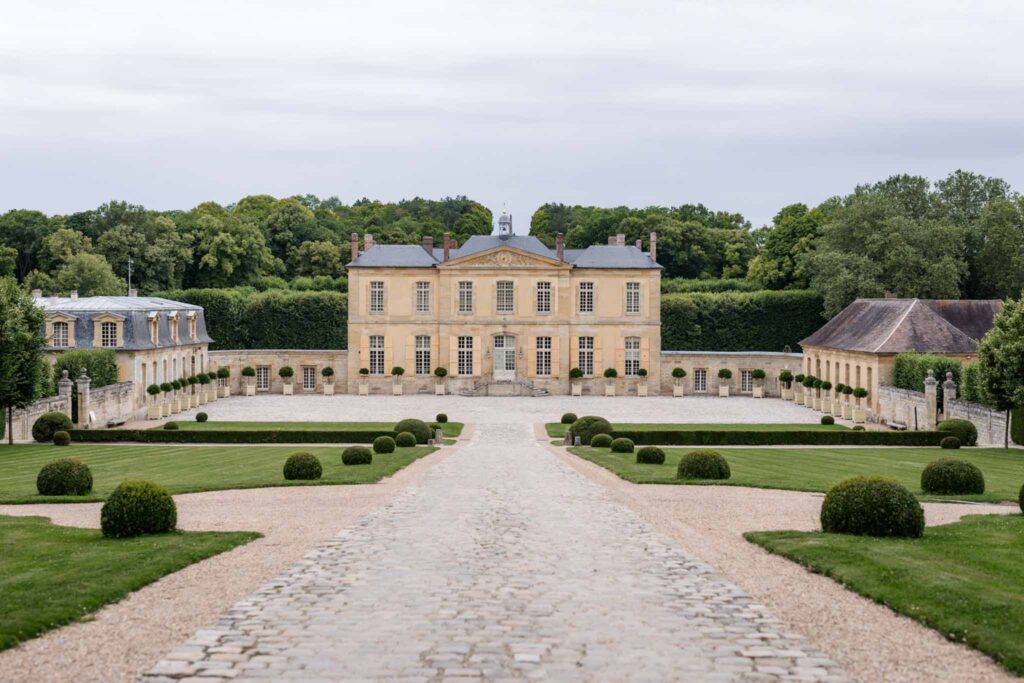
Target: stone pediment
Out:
[504,257]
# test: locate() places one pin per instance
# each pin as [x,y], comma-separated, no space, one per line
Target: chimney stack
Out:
[355,246]
[639,244]
[447,245]
[890,295]
[654,247]
[428,244]
[620,239]
[73,294]
[611,240]
[367,242]
[455,244]
[133,292]
[560,246]
[37,294]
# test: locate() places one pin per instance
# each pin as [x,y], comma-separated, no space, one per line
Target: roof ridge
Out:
[897,325]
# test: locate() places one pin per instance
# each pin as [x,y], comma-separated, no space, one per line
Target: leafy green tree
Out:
[90,274]
[21,348]
[318,258]
[8,261]
[60,246]
[793,233]
[289,224]
[230,252]
[24,231]
[998,270]
[1000,363]
[160,253]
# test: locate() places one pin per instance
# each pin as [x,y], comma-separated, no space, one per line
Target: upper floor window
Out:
[465,297]
[422,352]
[376,354]
[377,296]
[632,356]
[423,297]
[172,326]
[632,297]
[543,297]
[108,335]
[544,356]
[505,297]
[586,297]
[193,326]
[60,334]
[587,356]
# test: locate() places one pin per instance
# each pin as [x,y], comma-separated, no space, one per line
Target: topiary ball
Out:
[601,441]
[357,455]
[61,438]
[650,455]
[64,477]
[405,440]
[703,464]
[418,428]
[202,417]
[384,444]
[950,442]
[569,418]
[588,426]
[47,424]
[872,506]
[622,445]
[827,420]
[302,466]
[136,508]
[859,428]
[961,429]
[952,476]
[171,426]
[441,417]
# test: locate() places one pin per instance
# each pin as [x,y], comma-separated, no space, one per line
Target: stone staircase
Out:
[516,387]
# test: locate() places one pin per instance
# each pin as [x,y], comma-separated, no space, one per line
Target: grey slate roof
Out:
[890,326]
[415,256]
[136,311]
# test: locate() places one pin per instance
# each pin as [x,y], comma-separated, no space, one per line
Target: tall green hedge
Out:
[739,321]
[678,285]
[911,369]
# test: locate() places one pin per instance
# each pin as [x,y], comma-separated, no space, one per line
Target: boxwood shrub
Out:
[703,464]
[441,417]
[961,429]
[950,443]
[356,455]
[47,424]
[138,507]
[405,440]
[569,418]
[227,436]
[588,426]
[650,455]
[418,428]
[64,477]
[796,437]
[827,420]
[61,438]
[601,441]
[202,417]
[950,476]
[622,445]
[872,506]
[171,426]
[302,466]
[383,444]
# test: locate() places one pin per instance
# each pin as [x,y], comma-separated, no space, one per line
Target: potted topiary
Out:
[364,381]
[816,399]
[825,404]
[847,402]
[223,375]
[641,388]
[328,374]
[193,397]
[204,383]
[798,388]
[677,381]
[286,374]
[154,407]
[250,383]
[786,385]
[576,382]
[837,399]
[809,390]
[439,375]
[758,376]
[176,397]
[609,386]
[396,380]
[860,415]
[166,389]
[724,375]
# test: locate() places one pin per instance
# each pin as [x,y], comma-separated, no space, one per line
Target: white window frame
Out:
[633,298]
[376,360]
[543,356]
[423,297]
[465,293]
[376,296]
[746,381]
[587,356]
[632,364]
[586,297]
[700,380]
[422,354]
[262,377]
[544,297]
[108,335]
[60,340]
[308,377]
[505,296]
[465,356]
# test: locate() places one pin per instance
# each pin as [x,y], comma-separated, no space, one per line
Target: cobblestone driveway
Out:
[503,564]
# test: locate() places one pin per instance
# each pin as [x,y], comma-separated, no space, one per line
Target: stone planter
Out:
[826,406]
[201,398]
[787,395]
[176,404]
[329,389]
[808,399]
[641,389]
[860,416]
[364,388]
[847,411]
[678,389]
[723,390]
[609,389]
[438,388]
[798,394]
[250,389]
[153,413]
[758,392]
[396,388]
[837,408]
[225,391]
[288,389]
[576,388]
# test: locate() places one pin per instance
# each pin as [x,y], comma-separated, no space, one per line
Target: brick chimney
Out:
[654,247]
[367,242]
[428,244]
[133,292]
[355,246]
[560,246]
[620,239]
[611,240]
[447,245]
[73,294]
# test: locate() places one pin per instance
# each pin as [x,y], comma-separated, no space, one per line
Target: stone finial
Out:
[949,376]
[83,376]
[64,375]
[930,379]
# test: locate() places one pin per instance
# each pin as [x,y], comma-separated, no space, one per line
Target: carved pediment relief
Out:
[503,257]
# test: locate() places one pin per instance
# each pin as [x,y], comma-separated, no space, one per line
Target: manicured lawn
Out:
[52,575]
[450,429]
[557,429]
[965,580]
[818,469]
[184,469]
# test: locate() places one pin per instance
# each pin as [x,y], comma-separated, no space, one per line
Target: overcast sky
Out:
[742,106]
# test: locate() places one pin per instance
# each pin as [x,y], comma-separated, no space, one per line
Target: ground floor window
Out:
[263,377]
[746,381]
[422,354]
[632,356]
[376,354]
[308,377]
[543,356]
[587,356]
[700,380]
[465,356]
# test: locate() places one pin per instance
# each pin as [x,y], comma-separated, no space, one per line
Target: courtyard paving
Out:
[503,562]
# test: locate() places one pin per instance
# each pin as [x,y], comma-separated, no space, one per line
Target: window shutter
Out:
[453,355]
[435,356]
[477,368]
[554,356]
[554,297]
[531,356]
[645,353]
[574,352]
[389,354]
[364,351]
[536,299]
[598,367]
[410,354]
[620,355]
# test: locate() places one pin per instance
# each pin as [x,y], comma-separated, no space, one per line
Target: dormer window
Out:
[172,324]
[193,325]
[108,331]
[60,335]
[154,328]
[108,335]
[60,331]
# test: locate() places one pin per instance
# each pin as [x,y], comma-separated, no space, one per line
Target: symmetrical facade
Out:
[503,310]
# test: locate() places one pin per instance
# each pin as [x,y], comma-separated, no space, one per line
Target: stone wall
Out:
[911,408]
[26,417]
[771,362]
[991,423]
[274,359]
[903,406]
[110,405]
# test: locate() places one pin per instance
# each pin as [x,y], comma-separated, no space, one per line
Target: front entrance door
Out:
[504,358]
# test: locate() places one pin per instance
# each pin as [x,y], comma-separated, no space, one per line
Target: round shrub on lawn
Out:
[950,442]
[405,440]
[61,438]
[171,425]
[588,426]
[202,417]
[138,507]
[650,455]
[859,428]
[601,441]
[302,466]
[47,424]
[827,420]
[952,476]
[357,455]
[961,429]
[872,506]
[622,445]
[568,418]
[64,477]
[703,464]
[418,428]
[383,444]
[441,417]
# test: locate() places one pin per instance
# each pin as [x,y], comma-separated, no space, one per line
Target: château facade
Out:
[503,313]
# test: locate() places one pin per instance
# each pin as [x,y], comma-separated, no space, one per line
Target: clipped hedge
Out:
[64,477]
[601,441]
[783,438]
[48,424]
[650,455]
[302,466]
[138,507]
[872,506]
[950,443]
[911,369]
[405,440]
[61,438]
[417,428]
[950,476]
[703,465]
[961,429]
[383,444]
[568,418]
[677,285]
[356,455]
[621,445]
[589,426]
[215,436]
